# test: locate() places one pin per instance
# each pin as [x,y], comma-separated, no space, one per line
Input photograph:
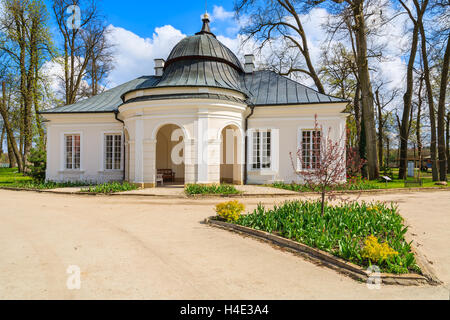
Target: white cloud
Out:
[220,13]
[134,55]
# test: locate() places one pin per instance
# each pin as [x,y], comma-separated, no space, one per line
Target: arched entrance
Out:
[231,155]
[170,154]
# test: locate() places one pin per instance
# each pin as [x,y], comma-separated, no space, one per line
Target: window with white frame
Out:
[73,151]
[113,151]
[261,149]
[311,140]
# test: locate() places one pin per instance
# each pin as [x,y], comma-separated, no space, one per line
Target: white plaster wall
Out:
[91,129]
[288,122]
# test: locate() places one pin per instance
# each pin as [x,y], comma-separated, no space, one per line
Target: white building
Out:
[202,116]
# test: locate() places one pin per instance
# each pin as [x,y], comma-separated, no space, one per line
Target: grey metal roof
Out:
[267,88]
[186,96]
[263,88]
[204,46]
[200,72]
[108,101]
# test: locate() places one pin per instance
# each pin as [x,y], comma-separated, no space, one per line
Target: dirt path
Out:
[141,248]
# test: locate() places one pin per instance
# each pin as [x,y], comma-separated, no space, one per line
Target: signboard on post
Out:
[411,169]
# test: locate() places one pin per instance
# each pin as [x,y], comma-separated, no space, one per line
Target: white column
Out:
[149,151]
[139,152]
[214,160]
[202,146]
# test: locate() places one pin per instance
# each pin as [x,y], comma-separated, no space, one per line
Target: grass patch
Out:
[47,185]
[111,187]
[359,184]
[342,231]
[222,189]
[355,184]
[9,177]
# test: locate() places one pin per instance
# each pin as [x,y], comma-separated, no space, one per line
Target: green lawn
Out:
[359,184]
[11,177]
[426,176]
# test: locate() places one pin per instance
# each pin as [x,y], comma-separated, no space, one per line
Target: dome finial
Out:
[205,27]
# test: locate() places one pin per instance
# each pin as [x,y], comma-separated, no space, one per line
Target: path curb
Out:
[233,196]
[328,260]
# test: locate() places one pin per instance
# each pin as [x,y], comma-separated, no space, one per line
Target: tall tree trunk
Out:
[11,157]
[429,88]
[380,128]
[441,115]
[9,132]
[357,109]
[39,126]
[407,105]
[448,142]
[2,137]
[388,151]
[418,123]
[366,90]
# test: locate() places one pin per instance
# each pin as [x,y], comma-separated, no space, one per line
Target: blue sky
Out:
[142,31]
[142,17]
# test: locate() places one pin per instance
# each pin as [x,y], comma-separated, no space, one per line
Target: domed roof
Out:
[203,45]
[202,60]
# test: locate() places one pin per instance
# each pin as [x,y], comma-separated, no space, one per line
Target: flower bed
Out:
[218,189]
[364,234]
[111,187]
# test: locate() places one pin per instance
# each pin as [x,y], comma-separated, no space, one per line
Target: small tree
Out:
[38,160]
[321,162]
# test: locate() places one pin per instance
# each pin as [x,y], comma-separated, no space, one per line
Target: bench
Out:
[413,183]
[159,178]
[167,174]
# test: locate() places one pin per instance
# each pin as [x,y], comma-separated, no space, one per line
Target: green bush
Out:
[38,160]
[110,187]
[341,231]
[195,189]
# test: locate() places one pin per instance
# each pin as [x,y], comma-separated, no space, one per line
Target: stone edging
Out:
[241,195]
[328,260]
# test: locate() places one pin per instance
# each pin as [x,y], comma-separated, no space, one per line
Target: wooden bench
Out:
[167,174]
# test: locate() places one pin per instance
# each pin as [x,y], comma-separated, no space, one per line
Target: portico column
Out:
[190,160]
[214,160]
[139,153]
[149,163]
[202,146]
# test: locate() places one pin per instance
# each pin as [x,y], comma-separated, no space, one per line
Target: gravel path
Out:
[144,248]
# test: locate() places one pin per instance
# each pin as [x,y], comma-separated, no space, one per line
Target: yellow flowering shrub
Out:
[230,211]
[377,252]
